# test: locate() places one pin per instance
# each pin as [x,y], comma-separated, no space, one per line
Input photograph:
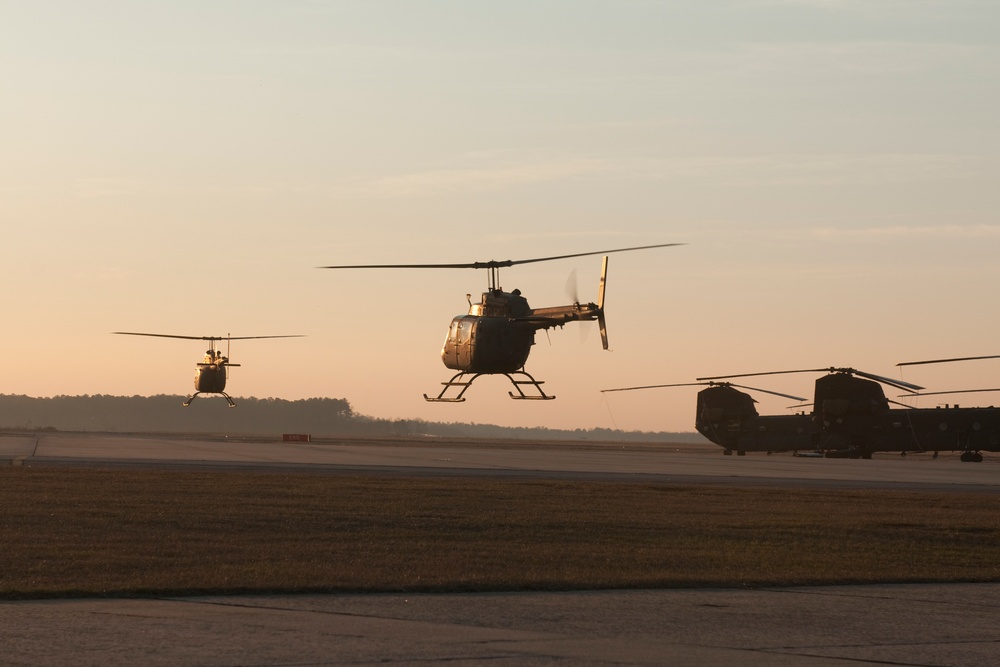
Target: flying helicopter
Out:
[851,418]
[210,375]
[496,335]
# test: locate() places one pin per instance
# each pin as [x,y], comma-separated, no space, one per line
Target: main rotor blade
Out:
[899,384]
[747,375]
[943,361]
[254,337]
[656,386]
[586,254]
[765,391]
[956,391]
[711,384]
[133,333]
[493,263]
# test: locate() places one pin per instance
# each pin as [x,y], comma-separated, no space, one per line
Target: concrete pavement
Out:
[926,625]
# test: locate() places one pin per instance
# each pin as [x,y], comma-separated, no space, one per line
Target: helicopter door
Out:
[457,350]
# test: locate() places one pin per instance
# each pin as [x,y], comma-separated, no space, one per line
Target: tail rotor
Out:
[600,303]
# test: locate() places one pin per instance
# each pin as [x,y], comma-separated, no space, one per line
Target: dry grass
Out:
[99,532]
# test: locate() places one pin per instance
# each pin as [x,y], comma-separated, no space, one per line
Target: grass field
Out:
[84,532]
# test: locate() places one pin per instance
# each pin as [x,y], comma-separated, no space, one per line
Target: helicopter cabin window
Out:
[461,329]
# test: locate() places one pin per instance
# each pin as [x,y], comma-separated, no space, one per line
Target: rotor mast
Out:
[494,278]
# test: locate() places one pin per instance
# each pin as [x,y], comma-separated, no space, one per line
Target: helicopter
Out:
[851,418]
[729,418]
[210,374]
[496,335]
[970,423]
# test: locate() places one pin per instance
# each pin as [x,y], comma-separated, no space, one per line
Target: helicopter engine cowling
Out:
[486,345]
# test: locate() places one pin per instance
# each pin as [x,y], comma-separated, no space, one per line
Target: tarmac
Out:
[951,625]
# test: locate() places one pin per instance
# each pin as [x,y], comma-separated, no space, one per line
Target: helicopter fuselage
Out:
[497,334]
[728,418]
[210,378]
[486,345]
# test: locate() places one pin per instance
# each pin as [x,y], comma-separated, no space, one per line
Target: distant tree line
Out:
[165,414]
[259,416]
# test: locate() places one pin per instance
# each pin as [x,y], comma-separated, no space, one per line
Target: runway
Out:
[927,625]
[677,463]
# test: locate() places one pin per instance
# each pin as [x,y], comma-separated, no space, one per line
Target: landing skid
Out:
[186,403]
[542,396]
[458,380]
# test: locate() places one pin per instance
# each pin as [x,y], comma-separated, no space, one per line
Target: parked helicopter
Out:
[496,335]
[975,429]
[851,417]
[211,374]
[728,418]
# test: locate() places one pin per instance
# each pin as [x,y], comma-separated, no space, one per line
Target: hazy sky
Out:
[184,167]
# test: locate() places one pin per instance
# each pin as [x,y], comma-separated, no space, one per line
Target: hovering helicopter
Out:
[851,418]
[211,374]
[496,335]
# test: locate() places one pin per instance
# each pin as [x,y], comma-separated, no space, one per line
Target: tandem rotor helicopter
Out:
[496,335]
[851,418]
[211,374]
[976,429]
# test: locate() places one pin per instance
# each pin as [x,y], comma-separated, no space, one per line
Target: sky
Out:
[183,168]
